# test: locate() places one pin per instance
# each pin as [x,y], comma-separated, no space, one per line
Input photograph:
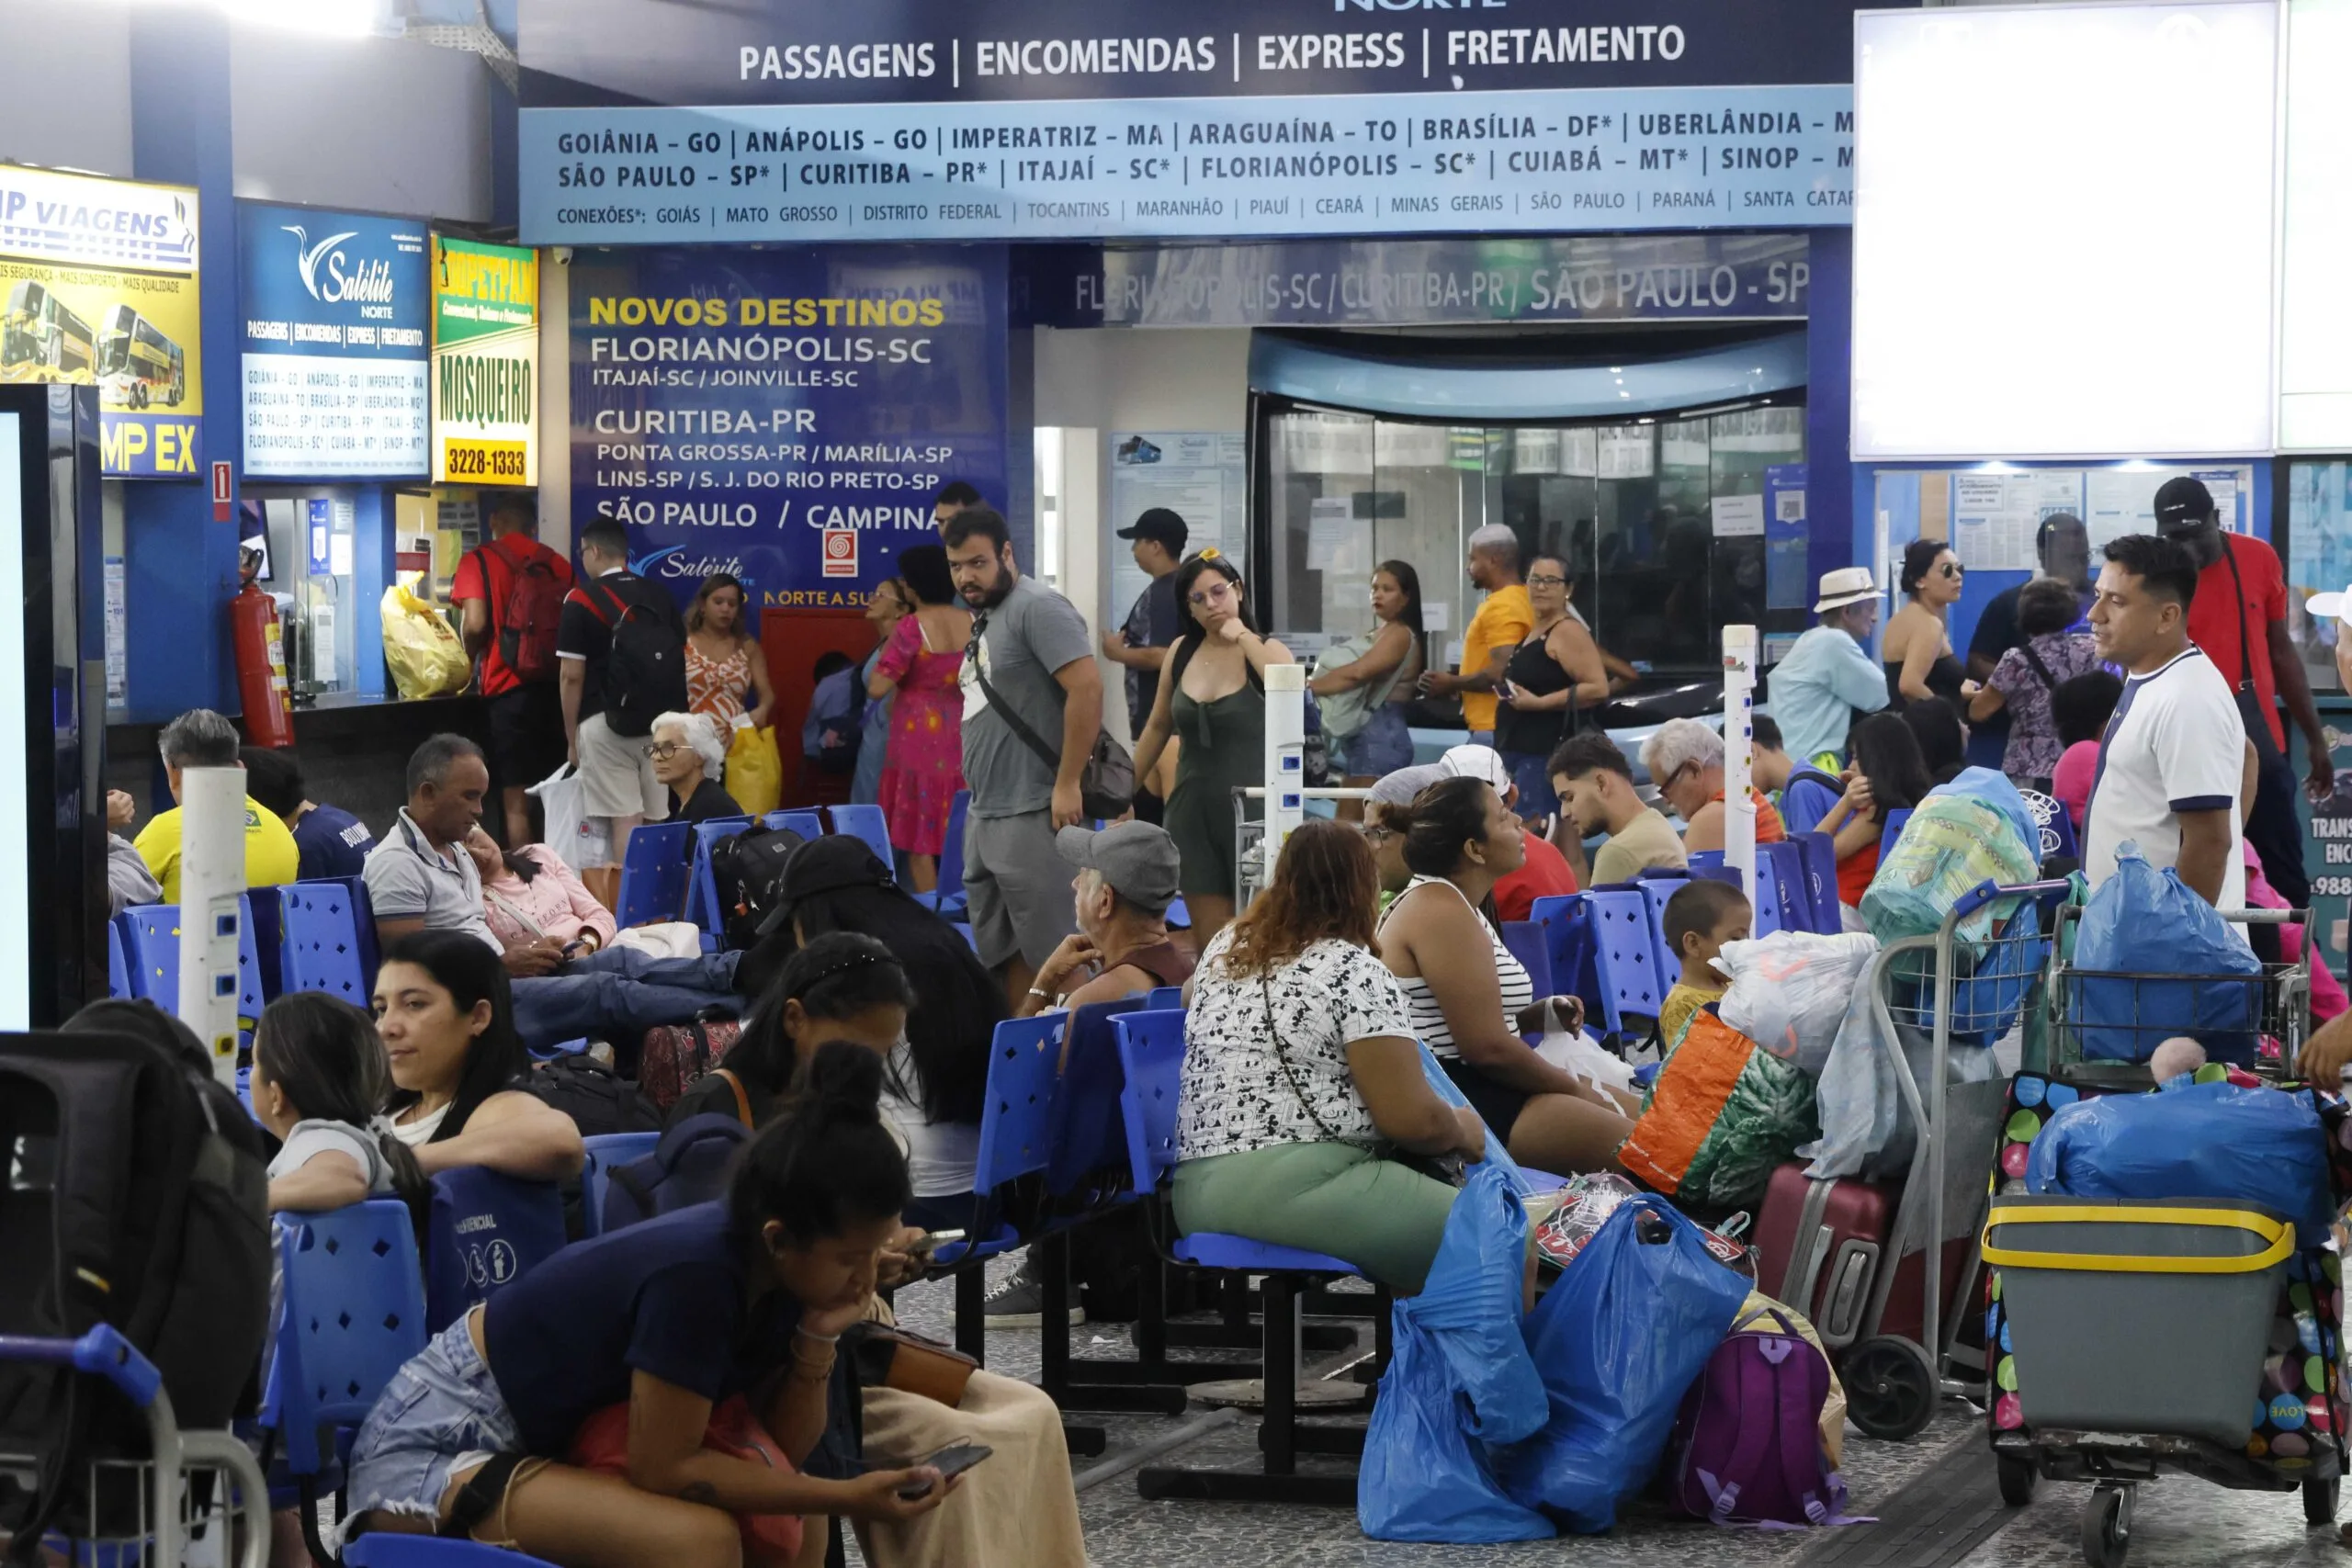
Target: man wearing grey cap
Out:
[1141,644]
[1126,879]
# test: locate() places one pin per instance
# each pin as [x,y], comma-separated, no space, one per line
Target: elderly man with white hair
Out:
[688,756]
[1500,625]
[1685,759]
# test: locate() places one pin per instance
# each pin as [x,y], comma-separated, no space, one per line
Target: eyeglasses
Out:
[662,751]
[1953,568]
[1547,582]
[1376,834]
[1212,594]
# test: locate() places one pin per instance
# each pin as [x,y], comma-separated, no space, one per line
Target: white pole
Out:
[212,874]
[1739,738]
[1285,758]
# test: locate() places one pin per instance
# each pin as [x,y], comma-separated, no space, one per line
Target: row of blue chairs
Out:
[303,936]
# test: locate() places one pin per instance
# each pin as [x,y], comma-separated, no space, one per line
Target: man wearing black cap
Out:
[1141,645]
[2239,619]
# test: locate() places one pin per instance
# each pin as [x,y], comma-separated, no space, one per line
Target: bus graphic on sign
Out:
[138,365]
[41,339]
[840,552]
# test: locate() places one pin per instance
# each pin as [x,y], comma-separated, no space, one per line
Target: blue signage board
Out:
[665,120]
[784,416]
[1718,275]
[333,317]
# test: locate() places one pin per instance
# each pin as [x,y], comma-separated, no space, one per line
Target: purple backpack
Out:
[1747,1445]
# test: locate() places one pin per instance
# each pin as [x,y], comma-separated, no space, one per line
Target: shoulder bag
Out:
[1448,1168]
[1344,713]
[1106,785]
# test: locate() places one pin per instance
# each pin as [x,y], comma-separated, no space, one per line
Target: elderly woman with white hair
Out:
[1685,759]
[688,756]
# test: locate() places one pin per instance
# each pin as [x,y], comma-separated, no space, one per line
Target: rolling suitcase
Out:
[677,1056]
[1821,1247]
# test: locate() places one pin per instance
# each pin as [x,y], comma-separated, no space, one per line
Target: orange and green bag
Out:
[1722,1115]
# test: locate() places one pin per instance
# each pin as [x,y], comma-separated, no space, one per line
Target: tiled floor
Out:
[2178,1523]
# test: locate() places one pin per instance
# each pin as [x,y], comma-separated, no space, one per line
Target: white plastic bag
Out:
[664,939]
[585,842]
[1580,1055]
[1866,1126]
[1790,991]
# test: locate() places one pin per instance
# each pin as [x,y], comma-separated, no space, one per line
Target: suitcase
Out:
[1820,1246]
[676,1056]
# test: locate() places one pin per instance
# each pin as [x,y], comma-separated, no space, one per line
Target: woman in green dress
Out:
[1211,701]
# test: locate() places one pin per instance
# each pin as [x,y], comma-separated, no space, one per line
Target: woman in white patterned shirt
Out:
[1301,1078]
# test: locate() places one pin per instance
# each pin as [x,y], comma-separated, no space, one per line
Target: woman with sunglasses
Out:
[1214,698]
[1917,643]
[1553,675]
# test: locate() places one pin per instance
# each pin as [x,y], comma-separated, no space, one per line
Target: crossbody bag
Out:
[1448,1168]
[1106,785]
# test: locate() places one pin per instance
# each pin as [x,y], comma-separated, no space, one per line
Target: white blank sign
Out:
[2063,231]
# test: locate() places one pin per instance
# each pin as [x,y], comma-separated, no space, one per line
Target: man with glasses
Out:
[1033,706]
[1685,759]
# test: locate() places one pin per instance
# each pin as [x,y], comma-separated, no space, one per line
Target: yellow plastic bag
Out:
[754,772]
[427,656]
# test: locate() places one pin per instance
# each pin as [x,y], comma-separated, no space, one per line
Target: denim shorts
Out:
[440,1413]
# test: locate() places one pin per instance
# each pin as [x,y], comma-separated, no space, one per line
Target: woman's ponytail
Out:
[829,1164]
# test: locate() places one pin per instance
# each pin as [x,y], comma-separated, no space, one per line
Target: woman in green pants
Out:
[1301,1078]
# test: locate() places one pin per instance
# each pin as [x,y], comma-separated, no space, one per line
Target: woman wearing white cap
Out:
[1829,676]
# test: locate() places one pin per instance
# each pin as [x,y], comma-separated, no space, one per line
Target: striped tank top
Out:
[1428,1018]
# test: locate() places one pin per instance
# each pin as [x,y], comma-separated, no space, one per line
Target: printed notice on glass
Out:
[1739,516]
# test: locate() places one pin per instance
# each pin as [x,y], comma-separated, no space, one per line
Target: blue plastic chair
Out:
[1709,863]
[864,822]
[1818,852]
[606,1151]
[1525,940]
[808,824]
[394,1549]
[653,875]
[153,963]
[1165,997]
[1785,861]
[947,898]
[1089,1134]
[320,943]
[1892,830]
[1151,1056]
[704,907]
[485,1231]
[1016,1137]
[1604,945]
[118,968]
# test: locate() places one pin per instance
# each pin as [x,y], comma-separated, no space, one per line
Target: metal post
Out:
[1740,739]
[1285,757]
[213,876]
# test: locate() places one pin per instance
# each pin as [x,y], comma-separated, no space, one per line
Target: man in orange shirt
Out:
[1501,624]
[1685,759]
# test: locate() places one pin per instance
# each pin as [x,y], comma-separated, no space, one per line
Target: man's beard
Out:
[989,598]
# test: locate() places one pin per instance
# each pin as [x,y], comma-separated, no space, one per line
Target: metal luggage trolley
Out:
[148,1511]
[2215,1263]
[1250,874]
[1949,989]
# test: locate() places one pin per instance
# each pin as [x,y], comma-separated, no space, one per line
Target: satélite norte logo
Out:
[840,552]
[370,284]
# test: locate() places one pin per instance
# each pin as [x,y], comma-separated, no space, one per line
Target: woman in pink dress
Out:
[923,766]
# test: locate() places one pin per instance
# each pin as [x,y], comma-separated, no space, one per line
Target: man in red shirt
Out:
[2239,619]
[511,592]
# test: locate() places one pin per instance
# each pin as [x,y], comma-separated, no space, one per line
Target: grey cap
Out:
[1138,860]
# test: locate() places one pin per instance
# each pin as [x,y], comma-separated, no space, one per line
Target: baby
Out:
[2176,1057]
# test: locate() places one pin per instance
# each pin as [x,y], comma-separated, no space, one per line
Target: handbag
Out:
[602,1444]
[1345,713]
[1106,785]
[2272,827]
[889,1357]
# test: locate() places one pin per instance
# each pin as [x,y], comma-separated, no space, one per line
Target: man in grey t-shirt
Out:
[1033,650]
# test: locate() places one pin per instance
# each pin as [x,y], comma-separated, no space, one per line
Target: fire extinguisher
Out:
[261,668]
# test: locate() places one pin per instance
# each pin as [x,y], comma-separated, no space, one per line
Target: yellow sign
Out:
[98,286]
[485,363]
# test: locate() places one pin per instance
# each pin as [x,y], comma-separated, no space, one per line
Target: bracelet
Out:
[1041,996]
[819,1339]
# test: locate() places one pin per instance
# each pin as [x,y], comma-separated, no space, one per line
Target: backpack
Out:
[677,1056]
[1747,1445]
[598,1100]
[137,1197]
[747,868]
[688,1165]
[528,618]
[645,667]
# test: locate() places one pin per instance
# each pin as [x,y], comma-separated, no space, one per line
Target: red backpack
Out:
[526,621]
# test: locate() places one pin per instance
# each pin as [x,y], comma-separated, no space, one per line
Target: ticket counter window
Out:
[1631,506]
[308,549]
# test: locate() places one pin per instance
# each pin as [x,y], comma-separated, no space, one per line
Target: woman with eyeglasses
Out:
[919,671]
[1553,676]
[1917,642]
[1213,697]
[688,757]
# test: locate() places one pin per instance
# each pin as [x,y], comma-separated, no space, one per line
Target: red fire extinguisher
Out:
[261,668]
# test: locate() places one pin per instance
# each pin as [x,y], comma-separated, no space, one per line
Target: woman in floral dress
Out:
[924,765]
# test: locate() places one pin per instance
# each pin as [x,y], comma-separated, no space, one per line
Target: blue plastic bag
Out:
[2146,922]
[1459,1379]
[2263,1146]
[1619,1339]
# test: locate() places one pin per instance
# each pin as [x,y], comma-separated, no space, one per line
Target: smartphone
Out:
[950,1461]
[931,1241]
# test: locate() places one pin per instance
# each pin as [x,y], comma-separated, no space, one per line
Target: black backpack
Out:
[136,1196]
[645,667]
[747,869]
[689,1166]
[598,1100]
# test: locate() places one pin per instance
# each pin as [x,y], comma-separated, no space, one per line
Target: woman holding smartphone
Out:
[1553,675]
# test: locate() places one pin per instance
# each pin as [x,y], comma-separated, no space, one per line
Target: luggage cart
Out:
[2151,1428]
[149,1511]
[1250,872]
[1945,988]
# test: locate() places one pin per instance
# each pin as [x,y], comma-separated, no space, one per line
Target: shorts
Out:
[1498,1105]
[1017,887]
[526,735]
[441,1414]
[617,777]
